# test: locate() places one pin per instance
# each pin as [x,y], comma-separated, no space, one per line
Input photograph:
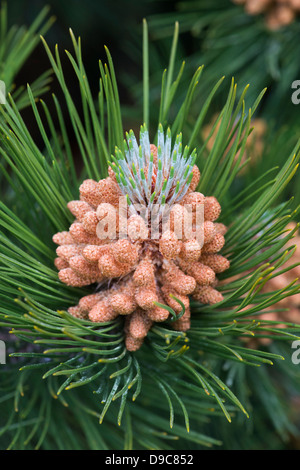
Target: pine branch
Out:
[17,44]
[85,365]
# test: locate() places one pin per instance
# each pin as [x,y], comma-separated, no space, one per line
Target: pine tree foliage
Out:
[17,44]
[165,395]
[232,42]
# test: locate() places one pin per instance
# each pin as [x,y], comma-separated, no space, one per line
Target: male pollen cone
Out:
[131,271]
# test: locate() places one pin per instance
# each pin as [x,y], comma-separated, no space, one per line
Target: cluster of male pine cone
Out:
[254,145]
[278,13]
[135,275]
[289,307]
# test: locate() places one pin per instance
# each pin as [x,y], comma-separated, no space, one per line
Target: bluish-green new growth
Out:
[153,179]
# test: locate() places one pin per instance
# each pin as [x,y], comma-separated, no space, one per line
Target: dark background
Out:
[116,24]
